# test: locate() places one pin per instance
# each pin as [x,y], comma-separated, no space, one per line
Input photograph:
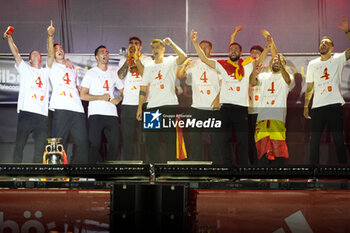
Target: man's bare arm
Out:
[84,95]
[179,52]
[139,65]
[14,49]
[344,26]
[253,76]
[235,33]
[210,62]
[308,94]
[124,69]
[50,48]
[273,47]
[142,98]
[181,71]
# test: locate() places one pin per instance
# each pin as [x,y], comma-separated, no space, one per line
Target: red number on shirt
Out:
[66,79]
[204,77]
[105,85]
[39,82]
[159,77]
[326,75]
[272,89]
[136,75]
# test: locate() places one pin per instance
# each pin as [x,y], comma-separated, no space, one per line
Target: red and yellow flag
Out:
[180,143]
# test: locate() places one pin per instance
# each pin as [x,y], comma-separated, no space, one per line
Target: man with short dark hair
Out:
[270,133]
[233,98]
[33,96]
[131,73]
[254,90]
[323,78]
[97,87]
[68,112]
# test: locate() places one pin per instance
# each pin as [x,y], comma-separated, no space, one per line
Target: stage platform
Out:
[173,198]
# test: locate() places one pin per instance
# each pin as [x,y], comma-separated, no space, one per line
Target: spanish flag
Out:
[238,69]
[270,138]
[180,143]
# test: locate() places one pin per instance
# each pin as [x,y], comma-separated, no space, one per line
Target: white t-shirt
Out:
[101,82]
[254,98]
[161,78]
[273,96]
[205,84]
[132,83]
[65,93]
[33,94]
[234,91]
[326,76]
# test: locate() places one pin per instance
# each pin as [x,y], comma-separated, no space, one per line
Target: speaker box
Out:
[149,208]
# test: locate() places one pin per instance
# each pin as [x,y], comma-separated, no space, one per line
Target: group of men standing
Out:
[245,95]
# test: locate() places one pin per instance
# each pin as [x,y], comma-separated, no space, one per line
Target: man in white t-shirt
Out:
[270,127]
[68,112]
[323,78]
[131,73]
[160,76]
[32,107]
[205,101]
[233,99]
[254,90]
[97,87]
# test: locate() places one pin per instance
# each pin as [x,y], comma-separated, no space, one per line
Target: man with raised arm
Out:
[68,112]
[32,106]
[97,87]
[270,133]
[205,101]
[323,78]
[131,73]
[254,90]
[160,75]
[233,97]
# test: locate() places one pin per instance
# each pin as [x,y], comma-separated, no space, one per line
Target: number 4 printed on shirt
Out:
[106,86]
[66,79]
[326,75]
[272,89]
[39,82]
[204,77]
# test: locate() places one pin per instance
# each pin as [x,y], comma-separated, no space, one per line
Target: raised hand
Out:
[237,29]
[6,36]
[136,54]
[344,24]
[50,29]
[167,41]
[264,33]
[268,41]
[194,36]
